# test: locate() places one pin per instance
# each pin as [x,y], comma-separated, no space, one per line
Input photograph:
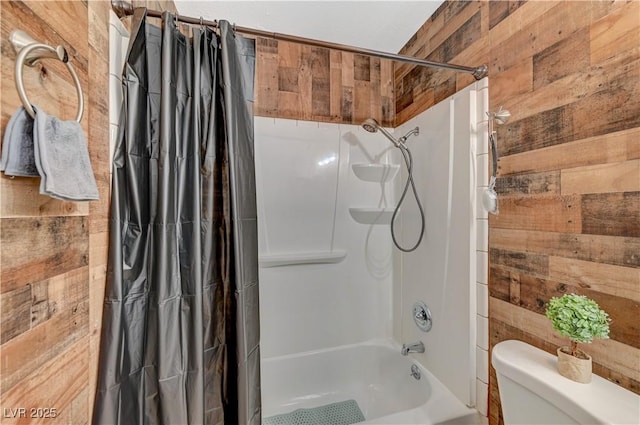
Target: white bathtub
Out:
[374,374]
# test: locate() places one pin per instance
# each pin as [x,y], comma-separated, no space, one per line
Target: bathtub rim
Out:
[440,395]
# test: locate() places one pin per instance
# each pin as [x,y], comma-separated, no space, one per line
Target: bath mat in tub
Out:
[341,413]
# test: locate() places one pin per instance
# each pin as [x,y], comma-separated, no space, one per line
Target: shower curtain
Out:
[180,336]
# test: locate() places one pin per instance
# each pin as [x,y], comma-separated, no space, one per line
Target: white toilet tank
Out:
[533,392]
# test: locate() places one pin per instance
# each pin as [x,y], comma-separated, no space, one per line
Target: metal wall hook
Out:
[29,53]
[501,116]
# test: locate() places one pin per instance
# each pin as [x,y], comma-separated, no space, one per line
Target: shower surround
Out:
[330,281]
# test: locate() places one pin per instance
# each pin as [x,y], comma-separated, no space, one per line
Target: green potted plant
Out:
[580,319]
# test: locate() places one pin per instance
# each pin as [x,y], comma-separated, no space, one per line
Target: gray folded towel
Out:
[17,146]
[62,159]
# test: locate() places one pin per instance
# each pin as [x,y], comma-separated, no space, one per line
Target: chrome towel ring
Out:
[29,52]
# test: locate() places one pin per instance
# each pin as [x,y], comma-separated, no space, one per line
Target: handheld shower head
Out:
[490,196]
[372,126]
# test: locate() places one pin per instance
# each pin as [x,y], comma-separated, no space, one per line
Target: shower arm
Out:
[124,8]
[410,133]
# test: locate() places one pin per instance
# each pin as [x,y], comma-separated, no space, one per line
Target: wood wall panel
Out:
[615,214]
[34,249]
[615,280]
[569,72]
[602,178]
[546,213]
[54,253]
[60,382]
[620,251]
[300,82]
[546,182]
[607,148]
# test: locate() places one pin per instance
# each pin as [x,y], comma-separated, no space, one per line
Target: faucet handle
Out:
[422,316]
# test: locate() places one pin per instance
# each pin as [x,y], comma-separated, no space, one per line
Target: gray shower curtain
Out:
[180,335]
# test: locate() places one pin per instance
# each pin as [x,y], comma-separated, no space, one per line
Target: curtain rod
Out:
[124,8]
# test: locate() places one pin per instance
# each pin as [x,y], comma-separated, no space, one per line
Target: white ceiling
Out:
[378,25]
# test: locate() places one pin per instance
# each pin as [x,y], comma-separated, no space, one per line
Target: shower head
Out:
[372,126]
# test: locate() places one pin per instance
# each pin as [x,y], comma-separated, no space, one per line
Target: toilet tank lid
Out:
[600,401]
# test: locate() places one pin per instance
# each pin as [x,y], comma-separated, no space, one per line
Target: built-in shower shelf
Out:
[379,173]
[315,257]
[371,215]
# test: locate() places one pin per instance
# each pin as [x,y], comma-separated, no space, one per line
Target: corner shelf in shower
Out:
[371,215]
[379,173]
[315,257]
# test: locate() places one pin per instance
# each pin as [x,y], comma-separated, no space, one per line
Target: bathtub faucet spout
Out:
[416,347]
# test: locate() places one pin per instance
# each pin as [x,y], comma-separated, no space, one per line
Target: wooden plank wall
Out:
[53,253]
[569,179]
[568,71]
[300,82]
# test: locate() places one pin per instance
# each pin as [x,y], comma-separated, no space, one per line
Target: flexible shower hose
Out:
[408,160]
